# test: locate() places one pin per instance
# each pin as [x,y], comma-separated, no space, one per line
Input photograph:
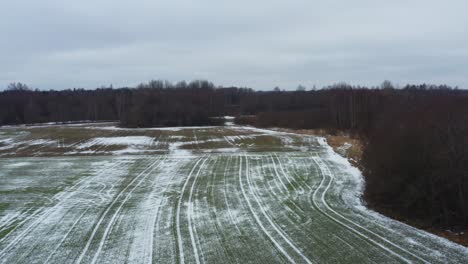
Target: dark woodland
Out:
[415,138]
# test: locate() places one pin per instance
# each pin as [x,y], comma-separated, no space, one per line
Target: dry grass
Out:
[338,141]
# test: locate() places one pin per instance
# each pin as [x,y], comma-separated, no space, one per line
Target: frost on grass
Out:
[209,197]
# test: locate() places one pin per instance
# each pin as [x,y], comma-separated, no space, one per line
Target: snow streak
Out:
[190,206]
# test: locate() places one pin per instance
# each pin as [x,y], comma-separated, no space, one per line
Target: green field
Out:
[99,194]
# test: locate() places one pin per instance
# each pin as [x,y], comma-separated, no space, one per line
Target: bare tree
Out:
[387,85]
[301,88]
[18,87]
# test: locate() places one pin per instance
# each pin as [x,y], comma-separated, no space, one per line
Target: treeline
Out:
[415,142]
[152,104]
[416,157]
[27,106]
[160,103]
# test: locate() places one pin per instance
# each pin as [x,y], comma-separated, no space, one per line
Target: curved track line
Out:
[285,190]
[363,214]
[288,172]
[225,195]
[155,222]
[282,171]
[62,219]
[98,224]
[291,216]
[322,167]
[265,171]
[296,185]
[43,214]
[262,209]
[192,228]
[110,225]
[249,222]
[179,205]
[257,218]
[65,236]
[366,238]
[12,219]
[152,232]
[272,191]
[211,207]
[42,210]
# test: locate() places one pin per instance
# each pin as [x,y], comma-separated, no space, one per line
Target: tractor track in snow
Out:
[101,219]
[244,202]
[354,228]
[43,213]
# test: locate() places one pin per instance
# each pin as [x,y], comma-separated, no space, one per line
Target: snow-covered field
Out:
[197,195]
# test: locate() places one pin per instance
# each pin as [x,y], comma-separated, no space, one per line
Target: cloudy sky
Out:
[56,44]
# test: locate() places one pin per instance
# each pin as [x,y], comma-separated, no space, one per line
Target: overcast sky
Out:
[260,44]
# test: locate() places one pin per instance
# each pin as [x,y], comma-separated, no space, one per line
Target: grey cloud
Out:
[260,44]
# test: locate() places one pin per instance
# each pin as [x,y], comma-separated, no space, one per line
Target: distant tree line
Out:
[27,106]
[416,137]
[152,104]
[159,103]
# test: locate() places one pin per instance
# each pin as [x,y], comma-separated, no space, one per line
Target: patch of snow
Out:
[287,141]
[55,124]
[18,164]
[41,142]
[115,128]
[175,150]
[343,150]
[260,130]
[353,198]
[229,120]
[8,142]
[222,150]
[129,141]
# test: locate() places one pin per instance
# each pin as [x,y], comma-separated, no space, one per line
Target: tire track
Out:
[290,182]
[250,233]
[353,230]
[298,186]
[44,213]
[111,224]
[192,228]
[65,236]
[58,224]
[211,207]
[311,189]
[257,218]
[272,223]
[155,221]
[326,171]
[101,219]
[280,198]
[361,214]
[179,206]
[225,195]
[285,188]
